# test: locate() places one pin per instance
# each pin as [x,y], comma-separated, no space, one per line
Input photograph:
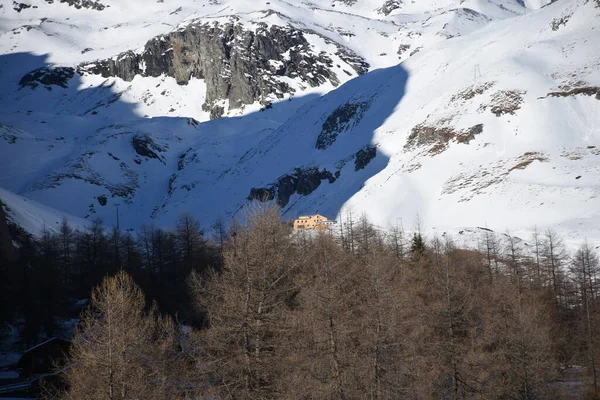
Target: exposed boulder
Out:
[48,76]
[237,64]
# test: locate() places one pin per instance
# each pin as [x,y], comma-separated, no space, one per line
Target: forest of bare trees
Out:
[358,313]
[41,286]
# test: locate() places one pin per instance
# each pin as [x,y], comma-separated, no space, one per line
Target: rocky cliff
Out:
[300,181]
[238,64]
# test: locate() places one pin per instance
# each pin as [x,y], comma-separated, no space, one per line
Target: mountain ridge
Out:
[492,120]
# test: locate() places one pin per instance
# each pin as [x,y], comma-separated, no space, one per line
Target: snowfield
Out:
[477,113]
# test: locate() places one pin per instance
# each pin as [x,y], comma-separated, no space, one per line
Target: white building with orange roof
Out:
[315,222]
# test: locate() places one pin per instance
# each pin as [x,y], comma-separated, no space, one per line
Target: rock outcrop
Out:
[437,137]
[146,147]
[363,157]
[389,6]
[48,76]
[79,4]
[345,2]
[237,64]
[343,118]
[18,7]
[301,181]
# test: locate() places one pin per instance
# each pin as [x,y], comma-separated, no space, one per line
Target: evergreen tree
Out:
[417,245]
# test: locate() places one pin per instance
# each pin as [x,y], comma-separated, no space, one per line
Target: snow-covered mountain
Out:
[469,113]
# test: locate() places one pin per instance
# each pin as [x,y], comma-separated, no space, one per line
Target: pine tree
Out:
[417,246]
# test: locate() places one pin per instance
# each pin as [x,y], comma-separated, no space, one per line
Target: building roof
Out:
[310,216]
[45,343]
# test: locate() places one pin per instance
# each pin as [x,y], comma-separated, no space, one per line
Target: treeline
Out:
[352,315]
[45,277]
[357,313]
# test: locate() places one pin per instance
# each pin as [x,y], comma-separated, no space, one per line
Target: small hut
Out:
[43,358]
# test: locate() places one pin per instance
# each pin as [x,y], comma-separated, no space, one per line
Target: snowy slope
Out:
[538,165]
[493,122]
[35,217]
[68,36]
[124,25]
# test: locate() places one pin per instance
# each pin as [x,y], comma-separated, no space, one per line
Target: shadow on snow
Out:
[78,149]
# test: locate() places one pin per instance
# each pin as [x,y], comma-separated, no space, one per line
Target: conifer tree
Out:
[417,246]
[119,350]
[248,305]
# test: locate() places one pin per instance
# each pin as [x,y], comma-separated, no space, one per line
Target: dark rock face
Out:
[216,112]
[364,156]
[359,65]
[238,65]
[389,6]
[79,4]
[9,133]
[403,48]
[415,51]
[18,7]
[343,118]
[48,77]
[262,194]
[146,147]
[301,181]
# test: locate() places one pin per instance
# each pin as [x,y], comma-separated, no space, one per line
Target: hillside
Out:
[472,113]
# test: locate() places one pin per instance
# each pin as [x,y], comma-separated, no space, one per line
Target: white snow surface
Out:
[62,149]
